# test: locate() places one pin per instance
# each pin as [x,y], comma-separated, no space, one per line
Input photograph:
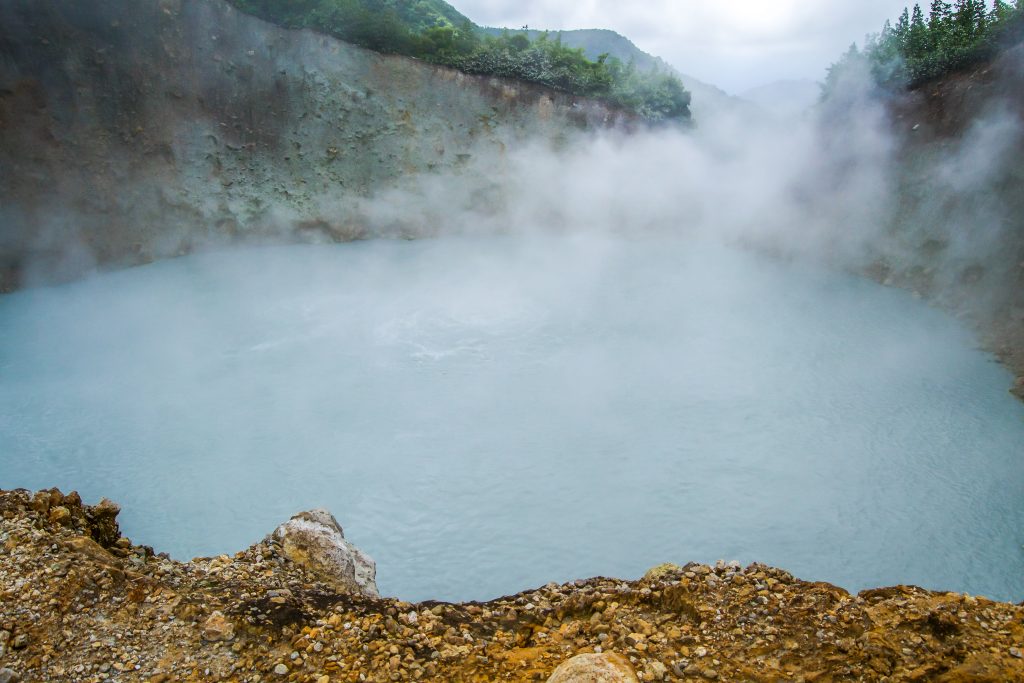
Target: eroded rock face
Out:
[604,667]
[167,126]
[316,541]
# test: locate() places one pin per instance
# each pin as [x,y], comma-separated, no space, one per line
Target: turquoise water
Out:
[485,416]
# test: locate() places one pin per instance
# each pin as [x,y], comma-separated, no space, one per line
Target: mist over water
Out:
[591,369]
[489,414]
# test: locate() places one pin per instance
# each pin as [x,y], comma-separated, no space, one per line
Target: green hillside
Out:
[434,31]
[424,14]
[415,16]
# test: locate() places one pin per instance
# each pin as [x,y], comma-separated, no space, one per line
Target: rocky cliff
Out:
[136,129]
[957,233]
[82,603]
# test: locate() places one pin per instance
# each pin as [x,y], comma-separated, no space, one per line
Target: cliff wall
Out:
[136,129]
[957,236]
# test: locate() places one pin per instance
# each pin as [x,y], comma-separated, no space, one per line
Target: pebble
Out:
[281,669]
[1015,652]
[656,671]
[9,676]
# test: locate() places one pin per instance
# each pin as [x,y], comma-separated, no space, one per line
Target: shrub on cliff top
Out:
[433,31]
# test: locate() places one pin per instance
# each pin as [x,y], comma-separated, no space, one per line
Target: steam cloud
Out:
[841,185]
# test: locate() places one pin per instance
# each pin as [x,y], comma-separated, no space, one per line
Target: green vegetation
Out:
[919,49]
[433,31]
[596,42]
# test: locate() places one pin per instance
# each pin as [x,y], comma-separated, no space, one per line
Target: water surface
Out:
[485,416]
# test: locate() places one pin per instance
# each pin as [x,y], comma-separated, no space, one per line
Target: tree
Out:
[968,21]
[953,37]
[917,36]
[1001,11]
[902,29]
[939,14]
[980,15]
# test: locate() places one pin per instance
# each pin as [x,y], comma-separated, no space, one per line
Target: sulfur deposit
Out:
[79,602]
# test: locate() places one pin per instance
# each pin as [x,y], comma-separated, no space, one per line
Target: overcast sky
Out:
[736,45]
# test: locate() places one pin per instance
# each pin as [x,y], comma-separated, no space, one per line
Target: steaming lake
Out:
[484,416]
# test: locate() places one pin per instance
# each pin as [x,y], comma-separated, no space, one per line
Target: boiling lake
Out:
[488,415]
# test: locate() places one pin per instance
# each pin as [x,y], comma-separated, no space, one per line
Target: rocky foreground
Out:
[78,602]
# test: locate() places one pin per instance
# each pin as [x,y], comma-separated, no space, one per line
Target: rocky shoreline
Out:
[79,602]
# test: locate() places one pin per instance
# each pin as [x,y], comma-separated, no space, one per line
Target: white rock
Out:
[315,540]
[604,667]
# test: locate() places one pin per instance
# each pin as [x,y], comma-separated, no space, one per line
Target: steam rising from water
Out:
[491,414]
[837,186]
[584,381]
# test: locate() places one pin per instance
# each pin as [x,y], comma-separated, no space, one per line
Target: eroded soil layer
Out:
[79,602]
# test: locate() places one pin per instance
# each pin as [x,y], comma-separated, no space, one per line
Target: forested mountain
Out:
[434,31]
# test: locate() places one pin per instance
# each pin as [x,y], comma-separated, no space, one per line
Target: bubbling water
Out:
[487,415]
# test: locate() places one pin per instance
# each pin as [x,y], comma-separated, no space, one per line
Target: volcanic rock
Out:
[218,627]
[605,667]
[315,541]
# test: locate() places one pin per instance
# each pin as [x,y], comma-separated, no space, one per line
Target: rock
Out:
[217,627]
[662,571]
[606,667]
[41,502]
[281,670]
[60,515]
[635,639]
[315,541]
[1015,652]
[106,509]
[103,522]
[9,676]
[655,671]
[89,548]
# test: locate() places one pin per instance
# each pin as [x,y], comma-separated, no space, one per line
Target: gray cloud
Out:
[736,46]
